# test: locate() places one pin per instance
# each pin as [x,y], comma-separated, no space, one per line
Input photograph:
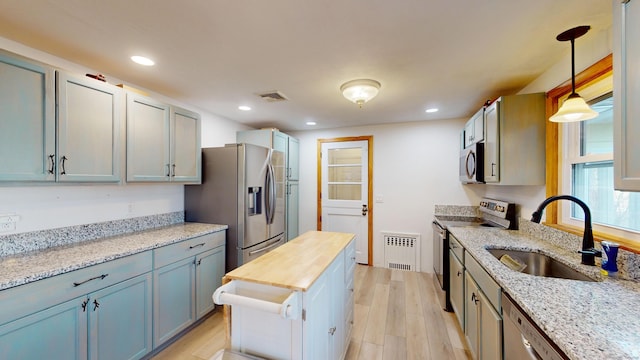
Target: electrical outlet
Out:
[7,226]
[9,218]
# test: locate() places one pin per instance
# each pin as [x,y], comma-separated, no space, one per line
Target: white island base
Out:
[295,302]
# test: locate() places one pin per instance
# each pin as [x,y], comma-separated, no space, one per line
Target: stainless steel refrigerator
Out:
[242,187]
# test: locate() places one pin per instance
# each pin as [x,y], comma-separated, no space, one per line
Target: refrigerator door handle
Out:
[271,246]
[272,194]
[267,194]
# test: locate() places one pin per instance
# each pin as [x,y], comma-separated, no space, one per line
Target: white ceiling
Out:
[218,54]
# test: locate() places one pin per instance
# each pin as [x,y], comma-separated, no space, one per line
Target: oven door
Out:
[439,239]
[441,265]
[472,164]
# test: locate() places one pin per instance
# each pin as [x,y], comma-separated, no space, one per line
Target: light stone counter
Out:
[587,320]
[23,268]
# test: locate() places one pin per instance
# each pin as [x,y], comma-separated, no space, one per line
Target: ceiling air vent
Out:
[273,96]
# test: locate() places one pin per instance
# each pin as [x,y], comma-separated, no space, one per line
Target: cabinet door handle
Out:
[96,305]
[62,161]
[173,170]
[199,262]
[93,278]
[493,169]
[84,305]
[459,273]
[474,298]
[332,330]
[52,163]
[168,170]
[195,246]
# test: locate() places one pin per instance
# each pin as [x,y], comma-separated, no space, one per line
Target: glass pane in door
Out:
[345,156]
[345,191]
[345,174]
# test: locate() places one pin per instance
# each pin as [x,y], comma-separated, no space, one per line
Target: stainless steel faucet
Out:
[588,251]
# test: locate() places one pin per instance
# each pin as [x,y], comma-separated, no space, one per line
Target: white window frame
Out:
[569,149]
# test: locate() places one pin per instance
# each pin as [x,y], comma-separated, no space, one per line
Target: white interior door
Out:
[344,194]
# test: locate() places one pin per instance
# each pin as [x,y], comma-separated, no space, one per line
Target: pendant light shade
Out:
[574,107]
[360,91]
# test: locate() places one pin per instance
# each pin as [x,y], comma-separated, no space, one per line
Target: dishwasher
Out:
[522,337]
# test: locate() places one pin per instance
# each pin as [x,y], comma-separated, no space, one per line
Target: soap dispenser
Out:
[609,258]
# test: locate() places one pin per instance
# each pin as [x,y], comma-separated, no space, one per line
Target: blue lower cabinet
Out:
[112,323]
[59,332]
[185,276]
[120,320]
[209,273]
[174,292]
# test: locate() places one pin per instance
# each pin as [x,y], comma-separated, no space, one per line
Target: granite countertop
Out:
[295,265]
[31,266]
[587,320]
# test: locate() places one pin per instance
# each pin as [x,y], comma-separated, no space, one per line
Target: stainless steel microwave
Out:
[472,164]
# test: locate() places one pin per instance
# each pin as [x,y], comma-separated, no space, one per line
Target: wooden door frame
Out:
[369,140]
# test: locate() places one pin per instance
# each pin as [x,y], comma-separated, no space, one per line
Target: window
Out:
[586,170]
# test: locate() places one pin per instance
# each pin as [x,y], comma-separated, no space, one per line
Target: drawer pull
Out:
[195,246]
[93,278]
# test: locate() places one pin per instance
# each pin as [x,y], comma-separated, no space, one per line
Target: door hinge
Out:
[304,315]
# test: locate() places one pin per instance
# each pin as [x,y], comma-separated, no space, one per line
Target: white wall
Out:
[415,166]
[52,206]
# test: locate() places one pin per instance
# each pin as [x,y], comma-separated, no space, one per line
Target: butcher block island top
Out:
[295,265]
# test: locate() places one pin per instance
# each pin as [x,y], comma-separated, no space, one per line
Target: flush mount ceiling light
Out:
[244,108]
[574,108]
[142,60]
[431,110]
[360,91]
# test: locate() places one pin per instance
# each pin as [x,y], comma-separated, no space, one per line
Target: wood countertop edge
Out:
[310,254]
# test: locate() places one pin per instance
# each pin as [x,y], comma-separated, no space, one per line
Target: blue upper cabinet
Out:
[163,142]
[89,117]
[27,120]
[79,143]
[626,108]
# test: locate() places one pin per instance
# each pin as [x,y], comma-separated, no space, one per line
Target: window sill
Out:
[629,245]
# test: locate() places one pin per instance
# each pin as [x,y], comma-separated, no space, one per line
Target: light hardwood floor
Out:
[397,316]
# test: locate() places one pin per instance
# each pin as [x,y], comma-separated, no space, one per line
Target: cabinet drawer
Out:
[457,248]
[490,288]
[23,300]
[350,259]
[184,249]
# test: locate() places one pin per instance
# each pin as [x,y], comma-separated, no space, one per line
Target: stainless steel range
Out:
[492,213]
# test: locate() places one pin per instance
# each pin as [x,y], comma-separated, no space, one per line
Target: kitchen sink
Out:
[537,264]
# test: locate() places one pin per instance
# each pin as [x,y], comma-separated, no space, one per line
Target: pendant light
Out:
[360,91]
[574,108]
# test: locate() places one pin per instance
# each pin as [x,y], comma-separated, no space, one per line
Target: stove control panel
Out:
[501,209]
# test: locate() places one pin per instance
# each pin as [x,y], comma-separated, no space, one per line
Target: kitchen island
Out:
[295,302]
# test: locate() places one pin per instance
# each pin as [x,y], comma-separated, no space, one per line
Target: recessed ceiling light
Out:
[244,108]
[311,123]
[432,110]
[142,60]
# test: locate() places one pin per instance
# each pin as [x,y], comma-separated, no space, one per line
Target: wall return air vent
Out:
[273,96]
